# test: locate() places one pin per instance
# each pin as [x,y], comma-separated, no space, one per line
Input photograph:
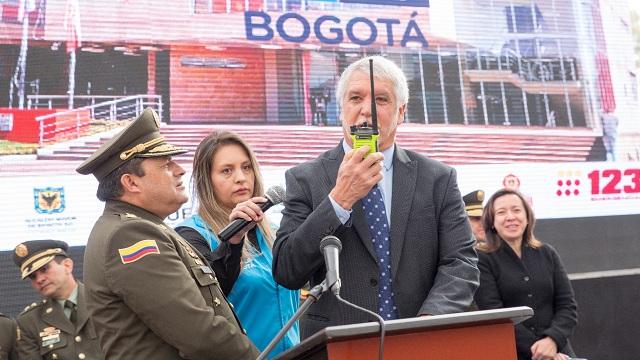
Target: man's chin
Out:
[46,293]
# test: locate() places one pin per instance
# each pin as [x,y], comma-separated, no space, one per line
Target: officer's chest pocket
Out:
[90,331]
[208,284]
[204,275]
[51,344]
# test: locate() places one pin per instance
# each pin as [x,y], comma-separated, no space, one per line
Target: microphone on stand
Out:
[275,195]
[330,247]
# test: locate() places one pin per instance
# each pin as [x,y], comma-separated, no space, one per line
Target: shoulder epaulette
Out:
[31,307]
[128,216]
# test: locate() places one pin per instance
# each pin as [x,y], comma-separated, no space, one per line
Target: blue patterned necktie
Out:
[375,213]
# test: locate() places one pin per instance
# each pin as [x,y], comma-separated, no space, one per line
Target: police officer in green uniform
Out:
[151,295]
[58,327]
[7,338]
[473,207]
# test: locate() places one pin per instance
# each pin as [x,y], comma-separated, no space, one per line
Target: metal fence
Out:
[72,124]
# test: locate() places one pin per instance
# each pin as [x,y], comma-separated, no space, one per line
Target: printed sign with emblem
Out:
[49,200]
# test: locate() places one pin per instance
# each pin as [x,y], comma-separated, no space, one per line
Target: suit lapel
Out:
[331,165]
[405,173]
[53,315]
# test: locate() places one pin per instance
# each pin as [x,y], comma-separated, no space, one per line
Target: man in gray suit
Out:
[423,263]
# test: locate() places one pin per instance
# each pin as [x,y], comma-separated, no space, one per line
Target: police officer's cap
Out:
[32,255]
[473,203]
[141,139]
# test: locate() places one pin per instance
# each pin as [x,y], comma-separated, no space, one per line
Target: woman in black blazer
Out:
[518,270]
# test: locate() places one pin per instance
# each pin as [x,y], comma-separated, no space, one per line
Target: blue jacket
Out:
[263,306]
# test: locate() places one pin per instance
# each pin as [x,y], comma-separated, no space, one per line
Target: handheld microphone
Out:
[330,247]
[275,195]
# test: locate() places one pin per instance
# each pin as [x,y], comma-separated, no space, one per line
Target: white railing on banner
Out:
[62,101]
[120,108]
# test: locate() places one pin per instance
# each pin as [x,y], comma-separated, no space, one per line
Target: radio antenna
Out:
[374,110]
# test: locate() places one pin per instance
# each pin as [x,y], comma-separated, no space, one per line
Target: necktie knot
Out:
[73,311]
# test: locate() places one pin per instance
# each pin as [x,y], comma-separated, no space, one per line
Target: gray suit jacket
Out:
[434,264]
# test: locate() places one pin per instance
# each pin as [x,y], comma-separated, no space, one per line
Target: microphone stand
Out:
[314,295]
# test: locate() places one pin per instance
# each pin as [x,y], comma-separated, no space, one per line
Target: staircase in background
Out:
[286,146]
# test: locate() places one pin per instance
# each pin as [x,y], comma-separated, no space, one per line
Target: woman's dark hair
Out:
[493,241]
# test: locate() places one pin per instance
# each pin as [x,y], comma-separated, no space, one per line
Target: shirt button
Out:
[81,356]
[530,295]
[54,356]
[78,339]
[526,278]
[373,282]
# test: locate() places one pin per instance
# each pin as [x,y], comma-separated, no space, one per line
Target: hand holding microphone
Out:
[249,213]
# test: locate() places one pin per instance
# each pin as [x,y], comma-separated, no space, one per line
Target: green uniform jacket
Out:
[7,338]
[46,333]
[152,296]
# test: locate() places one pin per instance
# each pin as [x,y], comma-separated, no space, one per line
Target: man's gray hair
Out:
[383,69]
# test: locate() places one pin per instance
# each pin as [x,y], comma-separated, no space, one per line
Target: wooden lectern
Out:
[475,335]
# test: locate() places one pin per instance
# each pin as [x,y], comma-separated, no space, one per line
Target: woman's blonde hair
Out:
[209,206]
[493,241]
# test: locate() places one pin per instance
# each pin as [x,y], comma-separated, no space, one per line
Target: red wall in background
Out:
[59,128]
[217,94]
[25,127]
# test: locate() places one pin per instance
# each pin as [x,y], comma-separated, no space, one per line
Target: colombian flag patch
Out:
[138,250]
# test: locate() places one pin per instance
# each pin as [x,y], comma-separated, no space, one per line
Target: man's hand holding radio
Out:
[357,175]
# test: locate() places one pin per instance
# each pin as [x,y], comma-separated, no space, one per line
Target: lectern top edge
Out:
[514,315]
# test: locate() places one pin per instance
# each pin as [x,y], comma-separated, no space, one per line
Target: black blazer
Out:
[434,265]
[538,281]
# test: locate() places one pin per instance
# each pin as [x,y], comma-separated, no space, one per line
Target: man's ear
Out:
[68,264]
[129,183]
[402,110]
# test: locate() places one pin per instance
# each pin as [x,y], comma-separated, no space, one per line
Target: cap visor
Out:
[477,212]
[163,150]
[36,265]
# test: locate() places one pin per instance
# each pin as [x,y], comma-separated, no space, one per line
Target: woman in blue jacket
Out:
[228,186]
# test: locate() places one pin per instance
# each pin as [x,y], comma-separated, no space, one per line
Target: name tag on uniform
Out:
[49,331]
[50,339]
[206,270]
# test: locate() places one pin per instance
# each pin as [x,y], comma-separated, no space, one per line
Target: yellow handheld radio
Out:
[366,135]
